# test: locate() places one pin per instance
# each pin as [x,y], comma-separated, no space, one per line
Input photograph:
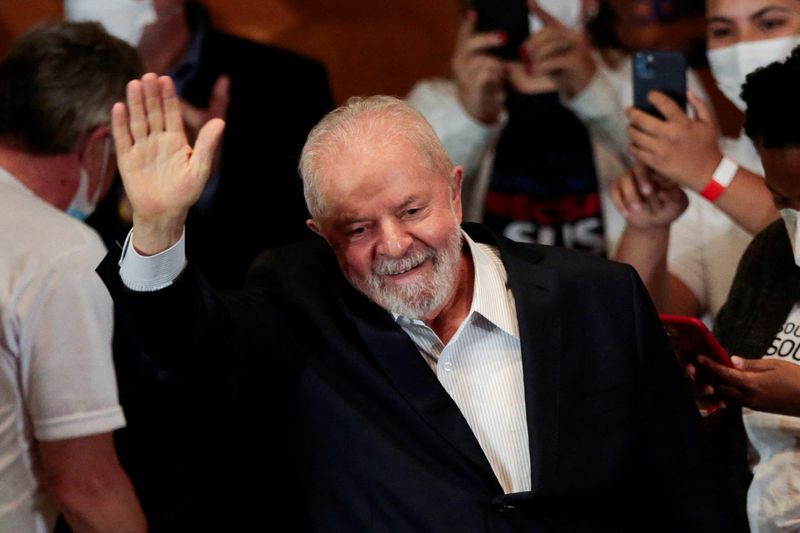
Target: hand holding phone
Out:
[658,70]
[691,338]
[507,16]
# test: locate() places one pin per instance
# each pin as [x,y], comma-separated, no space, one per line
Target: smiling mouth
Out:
[402,273]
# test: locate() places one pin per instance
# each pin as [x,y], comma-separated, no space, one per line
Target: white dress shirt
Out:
[480,368]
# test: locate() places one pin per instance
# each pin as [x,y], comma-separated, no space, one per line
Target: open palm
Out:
[162,174]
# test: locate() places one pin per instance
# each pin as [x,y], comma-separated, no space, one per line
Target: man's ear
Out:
[91,151]
[96,156]
[313,226]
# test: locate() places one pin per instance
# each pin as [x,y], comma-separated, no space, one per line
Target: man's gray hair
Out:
[380,120]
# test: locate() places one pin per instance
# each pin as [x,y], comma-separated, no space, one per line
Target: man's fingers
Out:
[136,110]
[173,118]
[152,103]
[119,129]
[206,145]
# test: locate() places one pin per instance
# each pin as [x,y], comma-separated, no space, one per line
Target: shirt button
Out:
[448,366]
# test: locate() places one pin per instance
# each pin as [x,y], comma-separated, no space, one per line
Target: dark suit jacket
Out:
[616,444]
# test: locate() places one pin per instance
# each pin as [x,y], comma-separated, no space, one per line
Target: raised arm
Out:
[162,174]
[687,151]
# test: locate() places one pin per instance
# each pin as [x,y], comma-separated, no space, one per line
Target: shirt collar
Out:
[491,298]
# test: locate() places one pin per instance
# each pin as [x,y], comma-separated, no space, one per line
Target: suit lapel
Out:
[536,293]
[406,369]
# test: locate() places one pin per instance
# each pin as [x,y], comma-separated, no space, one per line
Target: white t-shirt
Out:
[706,244]
[773,499]
[56,371]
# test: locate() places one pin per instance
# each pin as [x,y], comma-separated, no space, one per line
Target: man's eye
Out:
[356,231]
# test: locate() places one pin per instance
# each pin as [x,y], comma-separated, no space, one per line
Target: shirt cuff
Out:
[153,272]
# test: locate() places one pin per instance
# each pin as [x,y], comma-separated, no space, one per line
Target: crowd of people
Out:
[449,322]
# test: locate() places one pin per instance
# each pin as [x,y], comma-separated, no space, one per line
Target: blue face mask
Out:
[82,205]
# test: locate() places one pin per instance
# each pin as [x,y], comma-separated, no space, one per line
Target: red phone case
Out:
[690,337]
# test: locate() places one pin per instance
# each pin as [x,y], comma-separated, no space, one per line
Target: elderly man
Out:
[58,395]
[436,380]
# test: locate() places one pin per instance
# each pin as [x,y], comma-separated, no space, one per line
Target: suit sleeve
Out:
[685,480]
[190,328]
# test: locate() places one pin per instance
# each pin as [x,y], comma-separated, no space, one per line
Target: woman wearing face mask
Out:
[760,322]
[688,266]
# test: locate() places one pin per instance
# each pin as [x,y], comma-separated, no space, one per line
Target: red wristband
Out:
[722,177]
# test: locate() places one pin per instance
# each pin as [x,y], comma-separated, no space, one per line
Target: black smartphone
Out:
[509,16]
[658,70]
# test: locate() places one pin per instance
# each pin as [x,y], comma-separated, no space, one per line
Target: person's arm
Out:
[650,207]
[162,174]
[687,151]
[467,113]
[84,478]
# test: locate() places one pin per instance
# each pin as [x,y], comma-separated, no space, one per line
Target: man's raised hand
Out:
[162,174]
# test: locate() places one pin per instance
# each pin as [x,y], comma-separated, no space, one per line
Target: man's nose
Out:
[394,241]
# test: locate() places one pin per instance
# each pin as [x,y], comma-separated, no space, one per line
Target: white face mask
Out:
[568,12]
[82,205]
[124,19]
[731,65]
[790,218]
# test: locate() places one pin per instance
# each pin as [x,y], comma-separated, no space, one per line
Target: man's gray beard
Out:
[418,298]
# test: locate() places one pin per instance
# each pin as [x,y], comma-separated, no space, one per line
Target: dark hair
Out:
[58,82]
[603,28]
[773,109]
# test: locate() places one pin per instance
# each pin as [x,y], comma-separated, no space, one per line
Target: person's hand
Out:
[194,118]
[162,174]
[560,53]
[647,201]
[704,395]
[480,77]
[770,385]
[680,148]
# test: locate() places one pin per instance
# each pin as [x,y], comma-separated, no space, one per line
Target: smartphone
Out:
[690,337]
[658,70]
[509,16]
